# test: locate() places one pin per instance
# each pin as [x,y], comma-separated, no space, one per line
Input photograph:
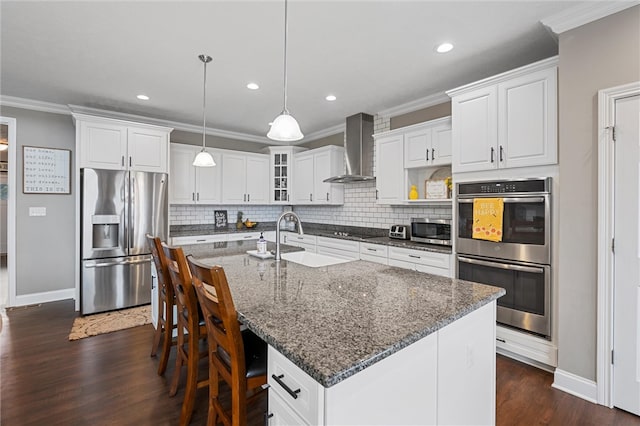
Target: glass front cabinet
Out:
[281,173]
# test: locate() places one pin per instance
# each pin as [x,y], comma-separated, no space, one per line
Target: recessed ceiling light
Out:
[444,48]
[143,97]
[253,86]
[330,98]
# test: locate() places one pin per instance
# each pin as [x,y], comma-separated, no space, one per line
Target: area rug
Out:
[93,325]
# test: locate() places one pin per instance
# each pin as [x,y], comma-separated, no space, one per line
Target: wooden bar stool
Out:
[191,330]
[166,302]
[238,357]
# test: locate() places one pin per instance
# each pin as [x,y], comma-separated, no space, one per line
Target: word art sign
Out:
[46,170]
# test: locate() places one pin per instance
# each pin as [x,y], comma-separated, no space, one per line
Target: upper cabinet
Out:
[389,168]
[311,168]
[409,156]
[105,143]
[281,173]
[509,120]
[428,144]
[194,185]
[245,178]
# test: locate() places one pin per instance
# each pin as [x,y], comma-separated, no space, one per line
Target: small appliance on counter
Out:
[400,232]
[431,231]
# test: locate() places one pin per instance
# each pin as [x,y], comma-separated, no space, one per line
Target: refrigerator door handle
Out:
[130,215]
[115,263]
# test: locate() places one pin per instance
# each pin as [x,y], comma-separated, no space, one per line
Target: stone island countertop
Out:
[335,321]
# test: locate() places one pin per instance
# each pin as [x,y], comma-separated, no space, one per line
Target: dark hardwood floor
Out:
[111,380]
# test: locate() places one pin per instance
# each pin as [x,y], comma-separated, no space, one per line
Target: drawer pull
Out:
[370,249]
[414,256]
[200,241]
[501,340]
[278,379]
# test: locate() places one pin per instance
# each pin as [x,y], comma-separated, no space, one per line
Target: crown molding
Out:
[329,131]
[31,104]
[584,13]
[427,101]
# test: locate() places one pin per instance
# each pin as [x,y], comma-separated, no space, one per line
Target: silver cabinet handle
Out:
[433,154]
[370,249]
[129,161]
[501,152]
[427,154]
[123,161]
[492,150]
[193,196]
[327,196]
[244,197]
[509,266]
[247,237]
[414,256]
[310,197]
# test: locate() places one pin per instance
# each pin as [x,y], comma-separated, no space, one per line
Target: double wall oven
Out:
[521,262]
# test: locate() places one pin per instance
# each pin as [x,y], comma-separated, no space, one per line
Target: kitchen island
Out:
[364,343]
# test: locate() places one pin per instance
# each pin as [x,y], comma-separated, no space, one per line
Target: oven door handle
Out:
[507,199]
[511,267]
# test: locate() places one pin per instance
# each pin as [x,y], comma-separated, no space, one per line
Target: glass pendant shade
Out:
[285,128]
[204,159]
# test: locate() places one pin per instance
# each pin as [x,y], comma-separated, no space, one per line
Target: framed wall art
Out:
[46,170]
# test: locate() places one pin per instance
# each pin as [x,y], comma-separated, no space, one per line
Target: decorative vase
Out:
[413,193]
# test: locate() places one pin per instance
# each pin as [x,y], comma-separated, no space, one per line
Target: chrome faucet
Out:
[300,231]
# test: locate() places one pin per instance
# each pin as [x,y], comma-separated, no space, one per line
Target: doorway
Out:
[618,375]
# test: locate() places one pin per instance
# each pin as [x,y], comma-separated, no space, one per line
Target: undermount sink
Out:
[313,260]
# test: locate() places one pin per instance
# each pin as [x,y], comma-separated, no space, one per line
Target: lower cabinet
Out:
[447,377]
[377,253]
[421,261]
[305,241]
[198,239]
[344,249]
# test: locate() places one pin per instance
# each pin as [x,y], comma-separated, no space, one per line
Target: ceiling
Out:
[372,55]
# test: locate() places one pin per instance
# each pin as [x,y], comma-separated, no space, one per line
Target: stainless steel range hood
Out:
[358,150]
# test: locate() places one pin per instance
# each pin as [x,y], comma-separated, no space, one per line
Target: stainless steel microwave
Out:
[431,231]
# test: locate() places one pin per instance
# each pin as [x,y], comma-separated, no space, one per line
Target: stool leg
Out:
[180,356]
[192,378]
[168,338]
[157,334]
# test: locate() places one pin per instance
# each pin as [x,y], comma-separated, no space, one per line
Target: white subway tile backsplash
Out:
[203,214]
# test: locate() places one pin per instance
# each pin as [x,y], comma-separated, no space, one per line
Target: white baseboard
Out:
[44,297]
[575,385]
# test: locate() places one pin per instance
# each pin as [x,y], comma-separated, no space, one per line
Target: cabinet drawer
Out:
[335,243]
[334,252]
[244,236]
[198,239]
[281,414]
[309,393]
[374,250]
[419,257]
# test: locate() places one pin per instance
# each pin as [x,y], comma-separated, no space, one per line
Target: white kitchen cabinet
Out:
[389,168]
[377,253]
[245,178]
[305,241]
[428,144]
[337,247]
[509,120]
[447,377]
[422,261]
[198,239]
[282,176]
[243,236]
[194,185]
[311,168]
[105,143]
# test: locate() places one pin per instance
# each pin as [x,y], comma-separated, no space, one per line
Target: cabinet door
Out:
[182,175]
[103,146]
[257,179]
[147,150]
[417,148]
[474,136]
[234,178]
[441,144]
[327,164]
[303,171]
[281,176]
[390,169]
[527,117]
[209,180]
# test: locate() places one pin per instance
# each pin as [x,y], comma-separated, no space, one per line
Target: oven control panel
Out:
[506,187]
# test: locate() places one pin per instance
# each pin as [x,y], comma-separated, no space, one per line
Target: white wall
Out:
[599,55]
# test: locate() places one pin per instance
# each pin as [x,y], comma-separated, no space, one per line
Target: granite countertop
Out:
[335,321]
[368,235]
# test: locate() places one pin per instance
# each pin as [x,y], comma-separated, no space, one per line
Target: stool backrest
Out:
[160,261]
[186,299]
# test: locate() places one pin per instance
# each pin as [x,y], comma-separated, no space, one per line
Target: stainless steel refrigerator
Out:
[117,209]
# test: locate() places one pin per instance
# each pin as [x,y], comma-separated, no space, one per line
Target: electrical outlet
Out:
[37,211]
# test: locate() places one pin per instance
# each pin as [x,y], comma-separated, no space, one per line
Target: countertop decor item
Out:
[285,127]
[413,193]
[204,159]
[239,223]
[220,217]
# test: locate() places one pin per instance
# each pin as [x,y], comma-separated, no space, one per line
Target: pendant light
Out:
[204,159]
[285,127]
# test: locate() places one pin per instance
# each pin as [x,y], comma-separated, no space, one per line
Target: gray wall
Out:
[421,115]
[337,139]
[599,55]
[45,245]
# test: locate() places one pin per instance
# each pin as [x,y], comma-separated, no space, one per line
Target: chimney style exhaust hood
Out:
[358,150]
